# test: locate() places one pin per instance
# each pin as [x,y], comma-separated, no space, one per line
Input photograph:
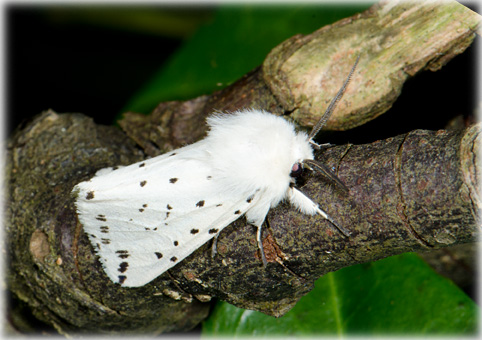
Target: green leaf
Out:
[236,41]
[400,295]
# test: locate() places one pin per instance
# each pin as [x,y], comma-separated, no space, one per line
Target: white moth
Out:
[145,218]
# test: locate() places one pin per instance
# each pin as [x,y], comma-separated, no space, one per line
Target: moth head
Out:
[301,152]
[296,170]
[301,149]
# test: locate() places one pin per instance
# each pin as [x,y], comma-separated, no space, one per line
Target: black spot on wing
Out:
[172,154]
[250,198]
[159,255]
[122,278]
[90,195]
[101,218]
[143,183]
[219,205]
[173,259]
[105,240]
[213,230]
[142,165]
[237,212]
[194,231]
[176,243]
[104,229]
[168,207]
[123,267]
[200,204]
[209,177]
[141,210]
[123,254]
[173,180]
[115,167]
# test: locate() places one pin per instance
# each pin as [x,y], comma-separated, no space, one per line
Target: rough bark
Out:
[407,193]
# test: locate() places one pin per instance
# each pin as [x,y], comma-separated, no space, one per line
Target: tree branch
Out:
[410,192]
[299,77]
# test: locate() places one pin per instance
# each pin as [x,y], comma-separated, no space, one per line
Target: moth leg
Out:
[315,145]
[260,245]
[319,146]
[327,217]
[214,248]
[257,217]
[307,206]
[326,145]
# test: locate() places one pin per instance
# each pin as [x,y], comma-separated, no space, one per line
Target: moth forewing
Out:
[155,218]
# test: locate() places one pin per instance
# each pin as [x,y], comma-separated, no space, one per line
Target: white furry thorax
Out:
[257,148]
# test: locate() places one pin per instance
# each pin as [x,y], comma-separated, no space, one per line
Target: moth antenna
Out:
[325,171]
[333,103]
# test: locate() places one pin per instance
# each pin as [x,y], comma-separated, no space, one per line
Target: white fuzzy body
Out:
[145,218]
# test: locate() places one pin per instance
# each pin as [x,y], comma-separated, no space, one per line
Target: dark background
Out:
[70,64]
